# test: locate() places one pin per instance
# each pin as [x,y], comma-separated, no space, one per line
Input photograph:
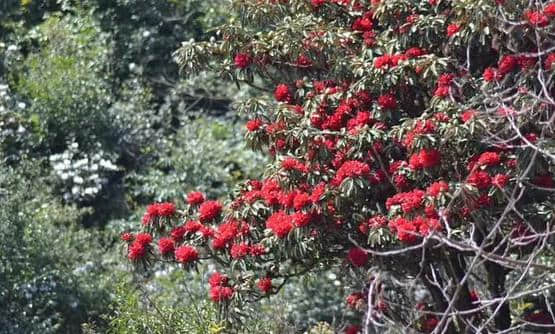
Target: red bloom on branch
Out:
[253,125]
[387,101]
[239,251]
[242,60]
[195,198]
[136,251]
[186,254]
[436,188]
[282,93]
[427,158]
[192,226]
[468,115]
[537,18]
[178,233]
[143,238]
[452,29]
[352,169]
[489,159]
[220,294]
[165,246]
[156,210]
[354,299]
[217,279]
[280,223]
[479,179]
[209,210]
[549,10]
[265,284]
[357,256]
[127,237]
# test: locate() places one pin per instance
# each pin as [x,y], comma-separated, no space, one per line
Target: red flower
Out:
[352,168]
[280,223]
[242,60]
[301,200]
[491,74]
[282,93]
[127,237]
[166,246]
[382,61]
[354,299]
[468,115]
[536,18]
[507,64]
[143,238]
[178,233]
[239,251]
[436,188]
[452,29]
[363,24]
[549,10]
[489,159]
[137,251]
[257,250]
[377,221]
[409,201]
[253,125]
[186,254]
[387,101]
[265,284]
[217,279]
[357,256]
[209,210]
[195,198]
[221,293]
[426,158]
[304,61]
[479,179]
[165,209]
[192,226]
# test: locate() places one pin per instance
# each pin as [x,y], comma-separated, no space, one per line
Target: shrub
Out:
[411,146]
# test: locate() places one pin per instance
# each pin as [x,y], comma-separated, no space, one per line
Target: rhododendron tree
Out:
[412,147]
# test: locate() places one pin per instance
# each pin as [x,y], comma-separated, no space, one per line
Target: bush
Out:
[52,279]
[409,146]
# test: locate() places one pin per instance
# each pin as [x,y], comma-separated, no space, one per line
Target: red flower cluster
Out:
[265,284]
[408,231]
[280,223]
[427,158]
[138,249]
[186,254]
[209,210]
[242,60]
[351,169]
[158,210]
[282,93]
[166,246]
[195,198]
[219,290]
[409,201]
[253,125]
